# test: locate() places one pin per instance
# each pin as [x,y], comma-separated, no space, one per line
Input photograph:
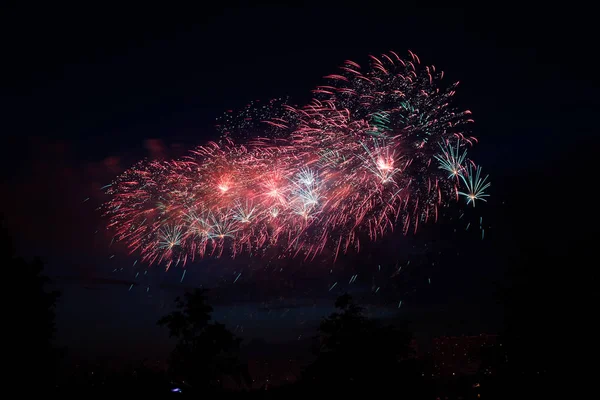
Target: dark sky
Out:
[88,90]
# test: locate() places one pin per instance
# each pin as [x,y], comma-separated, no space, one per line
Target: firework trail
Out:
[374,150]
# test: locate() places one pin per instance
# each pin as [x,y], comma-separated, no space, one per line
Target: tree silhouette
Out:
[206,352]
[355,352]
[32,325]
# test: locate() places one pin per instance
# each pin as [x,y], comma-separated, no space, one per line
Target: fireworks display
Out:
[374,151]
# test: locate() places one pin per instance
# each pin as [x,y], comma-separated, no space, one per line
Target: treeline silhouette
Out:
[353,354]
[30,357]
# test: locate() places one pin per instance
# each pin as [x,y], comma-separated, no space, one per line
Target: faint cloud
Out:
[156,148]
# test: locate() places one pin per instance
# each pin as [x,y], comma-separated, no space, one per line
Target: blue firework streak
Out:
[475,185]
[170,237]
[452,159]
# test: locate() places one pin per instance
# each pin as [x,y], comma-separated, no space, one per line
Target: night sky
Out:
[86,92]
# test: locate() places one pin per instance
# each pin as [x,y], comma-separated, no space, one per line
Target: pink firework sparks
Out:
[370,152]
